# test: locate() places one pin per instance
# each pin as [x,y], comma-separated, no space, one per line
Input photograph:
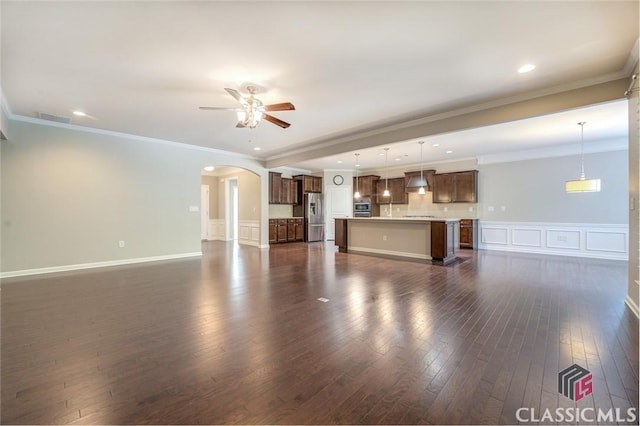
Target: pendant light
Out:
[582,184]
[386,192]
[421,190]
[356,195]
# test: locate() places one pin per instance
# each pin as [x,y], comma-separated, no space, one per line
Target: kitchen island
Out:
[413,238]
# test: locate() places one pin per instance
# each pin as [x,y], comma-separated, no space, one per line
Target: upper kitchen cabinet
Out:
[282,190]
[398,194]
[275,187]
[309,183]
[366,185]
[458,187]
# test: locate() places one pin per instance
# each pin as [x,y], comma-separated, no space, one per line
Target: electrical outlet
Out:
[120,243]
[470,209]
[446,209]
[503,208]
[490,208]
[384,238]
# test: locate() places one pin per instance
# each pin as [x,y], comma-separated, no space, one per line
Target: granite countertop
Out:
[290,217]
[406,219]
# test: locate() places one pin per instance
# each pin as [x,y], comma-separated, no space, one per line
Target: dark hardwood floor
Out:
[240,337]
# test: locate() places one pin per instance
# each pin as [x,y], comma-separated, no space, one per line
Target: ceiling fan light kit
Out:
[253,110]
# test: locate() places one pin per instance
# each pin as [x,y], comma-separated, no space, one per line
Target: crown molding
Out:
[113,133]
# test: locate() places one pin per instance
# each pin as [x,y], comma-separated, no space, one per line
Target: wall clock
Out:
[338,180]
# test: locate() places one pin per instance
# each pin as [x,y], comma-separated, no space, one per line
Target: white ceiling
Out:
[144,68]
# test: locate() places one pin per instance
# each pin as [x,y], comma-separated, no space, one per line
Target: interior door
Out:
[204,212]
[338,203]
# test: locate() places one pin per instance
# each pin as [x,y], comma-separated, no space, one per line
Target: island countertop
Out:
[404,219]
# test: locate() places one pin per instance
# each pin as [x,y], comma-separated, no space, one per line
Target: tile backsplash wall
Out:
[277,211]
[422,204]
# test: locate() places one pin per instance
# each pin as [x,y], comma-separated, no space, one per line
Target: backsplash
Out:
[280,211]
[423,206]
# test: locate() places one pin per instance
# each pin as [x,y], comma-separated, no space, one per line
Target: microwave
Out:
[363,206]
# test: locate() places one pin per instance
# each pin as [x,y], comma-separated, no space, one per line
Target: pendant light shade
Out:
[582,184]
[356,194]
[422,181]
[386,192]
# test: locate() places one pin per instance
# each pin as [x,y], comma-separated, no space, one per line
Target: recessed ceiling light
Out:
[257,148]
[436,144]
[339,161]
[381,154]
[526,68]
[79,113]
[357,165]
[209,168]
[449,152]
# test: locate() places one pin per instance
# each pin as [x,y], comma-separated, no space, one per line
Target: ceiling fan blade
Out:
[276,121]
[236,95]
[285,106]
[222,109]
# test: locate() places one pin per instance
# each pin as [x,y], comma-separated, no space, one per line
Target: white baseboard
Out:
[65,268]
[632,305]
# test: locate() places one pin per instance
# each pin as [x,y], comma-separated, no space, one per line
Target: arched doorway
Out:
[234,205]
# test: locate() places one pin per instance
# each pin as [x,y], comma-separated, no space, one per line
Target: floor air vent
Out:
[56,118]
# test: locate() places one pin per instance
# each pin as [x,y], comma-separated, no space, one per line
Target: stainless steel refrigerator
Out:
[312,209]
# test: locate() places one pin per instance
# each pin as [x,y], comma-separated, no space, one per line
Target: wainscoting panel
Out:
[607,241]
[563,239]
[493,235]
[529,237]
[603,241]
[216,229]
[249,232]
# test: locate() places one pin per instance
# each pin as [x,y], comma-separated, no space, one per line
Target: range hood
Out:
[414,181]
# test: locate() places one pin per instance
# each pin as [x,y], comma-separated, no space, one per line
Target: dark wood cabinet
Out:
[341,235]
[285,191]
[317,184]
[282,190]
[468,233]
[309,184]
[428,176]
[275,187]
[458,187]
[286,230]
[295,230]
[273,231]
[443,241]
[396,186]
[367,185]
[282,230]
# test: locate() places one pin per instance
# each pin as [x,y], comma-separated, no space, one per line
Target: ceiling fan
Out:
[253,110]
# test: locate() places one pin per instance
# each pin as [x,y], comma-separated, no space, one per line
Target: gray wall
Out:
[533,190]
[69,196]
